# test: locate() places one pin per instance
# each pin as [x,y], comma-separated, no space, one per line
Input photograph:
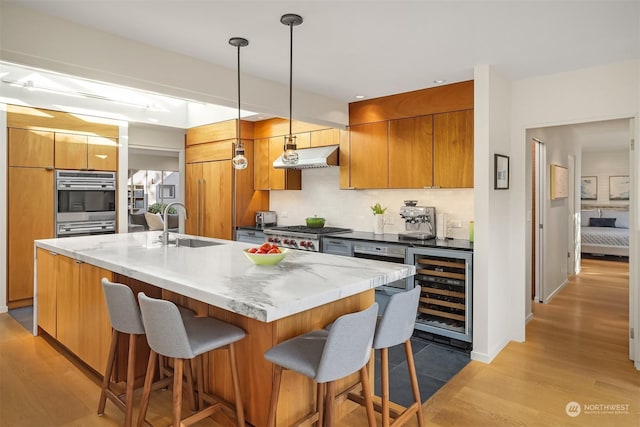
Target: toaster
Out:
[266,218]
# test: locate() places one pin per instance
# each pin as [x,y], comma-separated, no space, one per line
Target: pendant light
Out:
[239,161]
[290,155]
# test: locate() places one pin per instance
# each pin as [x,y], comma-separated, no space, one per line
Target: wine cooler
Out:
[445,276]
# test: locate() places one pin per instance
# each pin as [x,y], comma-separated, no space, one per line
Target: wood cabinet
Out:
[429,143]
[75,151]
[266,177]
[72,308]
[30,217]
[369,155]
[209,198]
[453,149]
[209,190]
[30,148]
[47,291]
[411,152]
[325,137]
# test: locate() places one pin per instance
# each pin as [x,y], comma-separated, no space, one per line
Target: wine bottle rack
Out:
[445,299]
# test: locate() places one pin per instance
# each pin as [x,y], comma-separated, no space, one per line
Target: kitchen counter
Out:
[458,244]
[223,277]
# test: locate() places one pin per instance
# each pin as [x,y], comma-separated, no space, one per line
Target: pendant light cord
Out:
[239,136]
[290,78]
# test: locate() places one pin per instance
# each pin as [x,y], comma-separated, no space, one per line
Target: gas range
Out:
[300,236]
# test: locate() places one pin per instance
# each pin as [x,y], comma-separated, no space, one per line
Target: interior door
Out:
[540,189]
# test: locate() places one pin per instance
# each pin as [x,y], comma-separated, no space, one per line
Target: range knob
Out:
[310,245]
[286,241]
[303,243]
[293,243]
[271,239]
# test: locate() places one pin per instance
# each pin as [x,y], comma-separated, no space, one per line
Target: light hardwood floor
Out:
[576,350]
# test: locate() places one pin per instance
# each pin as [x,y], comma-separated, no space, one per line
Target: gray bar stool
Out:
[395,327]
[168,335]
[125,318]
[327,356]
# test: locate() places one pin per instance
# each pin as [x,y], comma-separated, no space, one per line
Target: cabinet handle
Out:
[203,204]
[53,253]
[48,168]
[198,207]
[79,262]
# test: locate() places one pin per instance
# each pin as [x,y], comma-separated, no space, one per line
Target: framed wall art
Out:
[500,172]
[589,188]
[559,182]
[619,187]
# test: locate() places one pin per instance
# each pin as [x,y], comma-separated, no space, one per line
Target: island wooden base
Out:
[297,394]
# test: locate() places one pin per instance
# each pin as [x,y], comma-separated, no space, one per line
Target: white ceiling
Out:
[375,48]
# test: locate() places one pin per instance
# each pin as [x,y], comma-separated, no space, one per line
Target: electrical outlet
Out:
[455,224]
[388,219]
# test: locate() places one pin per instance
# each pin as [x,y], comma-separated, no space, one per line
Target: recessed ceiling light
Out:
[359,96]
[439,81]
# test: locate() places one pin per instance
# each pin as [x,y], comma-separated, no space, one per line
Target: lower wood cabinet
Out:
[72,308]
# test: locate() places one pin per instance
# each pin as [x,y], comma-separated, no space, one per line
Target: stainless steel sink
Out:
[195,243]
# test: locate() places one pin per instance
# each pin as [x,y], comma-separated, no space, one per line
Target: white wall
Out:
[36,40]
[592,94]
[4,189]
[494,308]
[321,196]
[603,164]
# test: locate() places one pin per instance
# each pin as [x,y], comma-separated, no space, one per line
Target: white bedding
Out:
[605,240]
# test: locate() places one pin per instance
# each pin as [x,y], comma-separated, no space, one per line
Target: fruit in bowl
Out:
[267,254]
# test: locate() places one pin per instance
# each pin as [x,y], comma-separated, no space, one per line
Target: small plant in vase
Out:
[378,214]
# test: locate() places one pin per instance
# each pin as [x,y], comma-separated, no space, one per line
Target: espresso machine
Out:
[419,221]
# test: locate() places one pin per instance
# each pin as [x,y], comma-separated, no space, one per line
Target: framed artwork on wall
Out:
[619,187]
[559,182]
[589,188]
[500,172]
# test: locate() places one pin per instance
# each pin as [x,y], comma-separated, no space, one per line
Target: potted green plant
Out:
[378,215]
[159,208]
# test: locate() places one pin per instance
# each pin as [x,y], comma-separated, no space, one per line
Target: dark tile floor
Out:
[435,364]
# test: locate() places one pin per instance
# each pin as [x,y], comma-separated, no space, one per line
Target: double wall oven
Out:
[85,203]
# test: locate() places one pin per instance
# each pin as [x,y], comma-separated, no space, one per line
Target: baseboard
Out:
[4,309]
[488,357]
[529,318]
[554,293]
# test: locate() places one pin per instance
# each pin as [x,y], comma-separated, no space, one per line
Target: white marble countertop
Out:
[222,276]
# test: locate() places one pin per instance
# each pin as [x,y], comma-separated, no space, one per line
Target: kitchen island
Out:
[271,303]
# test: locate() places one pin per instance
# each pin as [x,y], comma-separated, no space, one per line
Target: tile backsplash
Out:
[321,196]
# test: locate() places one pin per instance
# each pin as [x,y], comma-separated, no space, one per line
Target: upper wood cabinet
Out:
[369,155]
[31,148]
[102,154]
[453,149]
[324,137]
[265,176]
[411,152]
[74,151]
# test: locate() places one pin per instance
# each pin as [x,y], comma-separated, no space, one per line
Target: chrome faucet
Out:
[165,232]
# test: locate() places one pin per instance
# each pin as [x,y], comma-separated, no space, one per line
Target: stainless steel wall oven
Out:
[85,203]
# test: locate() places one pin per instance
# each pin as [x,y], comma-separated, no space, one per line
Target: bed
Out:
[605,230]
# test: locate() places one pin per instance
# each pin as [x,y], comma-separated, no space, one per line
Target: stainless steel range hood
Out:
[317,157]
